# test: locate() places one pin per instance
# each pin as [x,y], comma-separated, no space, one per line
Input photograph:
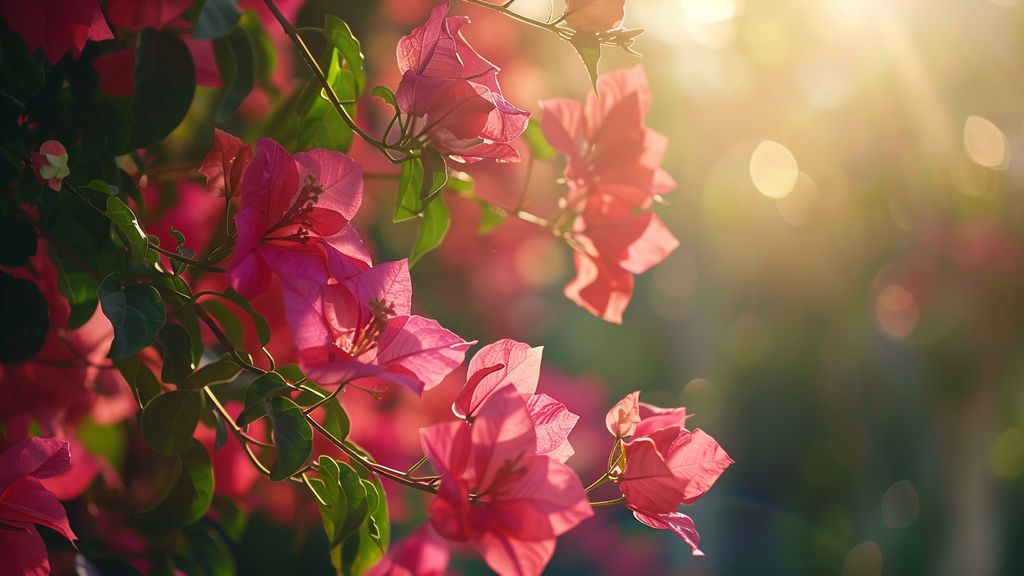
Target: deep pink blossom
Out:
[451,93]
[496,493]
[50,164]
[594,15]
[422,553]
[24,502]
[136,14]
[361,325]
[508,363]
[614,176]
[680,524]
[225,163]
[294,217]
[56,26]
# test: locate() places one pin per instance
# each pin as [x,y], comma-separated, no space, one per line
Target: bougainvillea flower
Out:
[56,26]
[614,176]
[361,325]
[671,466]
[422,553]
[451,93]
[515,364]
[50,164]
[594,15]
[24,502]
[294,217]
[496,493]
[225,163]
[137,14]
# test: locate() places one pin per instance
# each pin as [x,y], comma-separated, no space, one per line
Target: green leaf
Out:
[385,94]
[410,184]
[537,143]
[232,517]
[336,420]
[228,321]
[340,36]
[293,438]
[357,505]
[259,322]
[435,175]
[259,390]
[461,183]
[165,81]
[220,371]
[142,380]
[490,218]
[208,553]
[263,47]
[189,496]
[102,186]
[24,319]
[22,73]
[128,228]
[217,18]
[290,372]
[319,123]
[237,63]
[18,241]
[136,313]
[220,436]
[588,47]
[176,350]
[433,228]
[169,420]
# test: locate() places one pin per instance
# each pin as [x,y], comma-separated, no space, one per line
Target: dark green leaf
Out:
[336,420]
[410,184]
[102,186]
[263,47]
[217,18]
[490,218]
[290,372]
[433,228]
[128,228]
[165,81]
[259,322]
[221,431]
[136,313]
[24,319]
[208,554]
[259,390]
[227,319]
[139,377]
[232,518]
[22,73]
[176,350]
[18,240]
[237,62]
[293,438]
[169,420]
[221,371]
[589,48]
[189,497]
[358,507]
[29,188]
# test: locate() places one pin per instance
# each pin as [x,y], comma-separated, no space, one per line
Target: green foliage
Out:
[433,228]
[257,394]
[293,437]
[236,60]
[165,81]
[538,144]
[169,420]
[24,319]
[176,349]
[220,371]
[410,183]
[207,553]
[136,313]
[22,73]
[588,46]
[142,380]
[126,225]
[189,495]
[259,322]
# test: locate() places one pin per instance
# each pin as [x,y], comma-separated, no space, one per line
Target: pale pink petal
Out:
[295,260]
[520,368]
[502,430]
[622,419]
[271,181]
[653,418]
[680,524]
[419,352]
[561,124]
[697,460]
[555,496]
[553,423]
[647,483]
[603,290]
[594,15]
[303,310]
[388,282]
[340,176]
[515,557]
[422,553]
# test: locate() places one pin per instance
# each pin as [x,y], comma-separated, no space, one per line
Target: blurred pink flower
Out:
[294,217]
[496,493]
[24,502]
[56,26]
[614,176]
[451,93]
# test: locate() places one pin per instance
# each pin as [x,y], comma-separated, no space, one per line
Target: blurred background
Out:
[844,313]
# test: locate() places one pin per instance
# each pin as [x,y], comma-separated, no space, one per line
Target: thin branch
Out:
[612,502]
